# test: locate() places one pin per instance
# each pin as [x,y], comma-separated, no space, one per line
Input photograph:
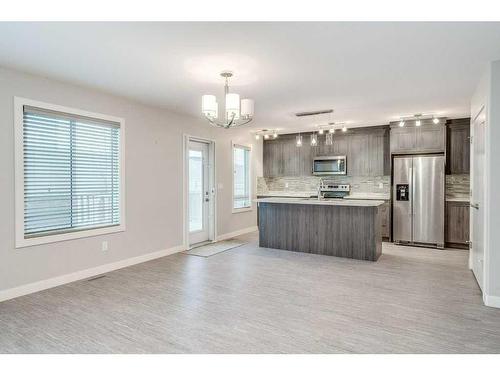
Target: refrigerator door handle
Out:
[412,191]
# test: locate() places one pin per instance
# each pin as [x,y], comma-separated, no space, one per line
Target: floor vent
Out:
[96,278]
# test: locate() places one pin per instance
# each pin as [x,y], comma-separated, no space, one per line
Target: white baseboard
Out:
[492,301]
[83,274]
[236,233]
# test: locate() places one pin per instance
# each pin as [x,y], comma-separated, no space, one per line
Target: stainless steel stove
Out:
[329,189]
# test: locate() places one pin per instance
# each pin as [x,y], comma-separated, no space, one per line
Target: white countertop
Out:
[281,193]
[324,202]
[307,194]
[377,196]
[458,199]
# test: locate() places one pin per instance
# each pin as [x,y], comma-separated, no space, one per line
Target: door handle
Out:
[476,205]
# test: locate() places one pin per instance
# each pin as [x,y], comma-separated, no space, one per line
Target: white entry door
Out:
[198,192]
[477,201]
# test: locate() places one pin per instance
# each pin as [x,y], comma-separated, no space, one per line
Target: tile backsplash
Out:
[378,184]
[457,186]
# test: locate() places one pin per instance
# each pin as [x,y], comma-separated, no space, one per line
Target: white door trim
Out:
[484,282]
[212,187]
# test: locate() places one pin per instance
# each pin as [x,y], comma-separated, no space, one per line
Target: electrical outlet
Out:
[104,246]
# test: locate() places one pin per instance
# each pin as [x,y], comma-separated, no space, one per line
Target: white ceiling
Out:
[370,73]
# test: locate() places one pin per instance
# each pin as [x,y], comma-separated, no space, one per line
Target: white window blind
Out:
[241,179]
[71,172]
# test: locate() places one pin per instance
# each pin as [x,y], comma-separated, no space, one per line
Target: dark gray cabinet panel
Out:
[428,137]
[457,224]
[377,152]
[458,147]
[273,155]
[340,146]
[308,228]
[431,138]
[358,157]
[385,220]
[403,139]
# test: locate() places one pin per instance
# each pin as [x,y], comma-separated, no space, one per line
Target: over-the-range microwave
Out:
[324,165]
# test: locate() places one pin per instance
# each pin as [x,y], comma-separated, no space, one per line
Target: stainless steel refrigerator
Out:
[418,200]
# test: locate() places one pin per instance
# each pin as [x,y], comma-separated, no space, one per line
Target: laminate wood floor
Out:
[256,300]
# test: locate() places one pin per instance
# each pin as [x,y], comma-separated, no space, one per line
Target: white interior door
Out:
[477,202]
[198,192]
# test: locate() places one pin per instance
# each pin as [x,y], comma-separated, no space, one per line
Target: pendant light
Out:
[314,140]
[298,140]
[329,139]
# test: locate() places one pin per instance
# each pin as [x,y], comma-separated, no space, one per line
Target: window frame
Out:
[249,149]
[21,241]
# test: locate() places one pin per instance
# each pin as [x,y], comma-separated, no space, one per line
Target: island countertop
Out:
[324,202]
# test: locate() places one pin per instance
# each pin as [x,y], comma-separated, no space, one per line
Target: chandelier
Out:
[236,112]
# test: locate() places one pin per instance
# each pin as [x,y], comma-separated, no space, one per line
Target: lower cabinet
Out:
[385,221]
[457,225]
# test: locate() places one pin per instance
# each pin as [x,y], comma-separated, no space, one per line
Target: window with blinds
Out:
[71,167]
[241,177]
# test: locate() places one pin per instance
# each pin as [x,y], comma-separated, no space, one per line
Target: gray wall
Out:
[153,181]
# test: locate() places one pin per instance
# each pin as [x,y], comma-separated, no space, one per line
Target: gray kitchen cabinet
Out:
[376,153]
[385,220]
[458,146]
[428,137]
[457,224]
[366,150]
[272,158]
[431,138]
[304,158]
[403,139]
[290,159]
[368,153]
[339,146]
[281,157]
[358,157]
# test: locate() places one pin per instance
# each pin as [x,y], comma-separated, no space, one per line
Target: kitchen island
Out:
[337,227]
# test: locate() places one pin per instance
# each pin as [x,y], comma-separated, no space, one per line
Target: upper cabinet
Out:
[367,151]
[283,158]
[458,147]
[428,137]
